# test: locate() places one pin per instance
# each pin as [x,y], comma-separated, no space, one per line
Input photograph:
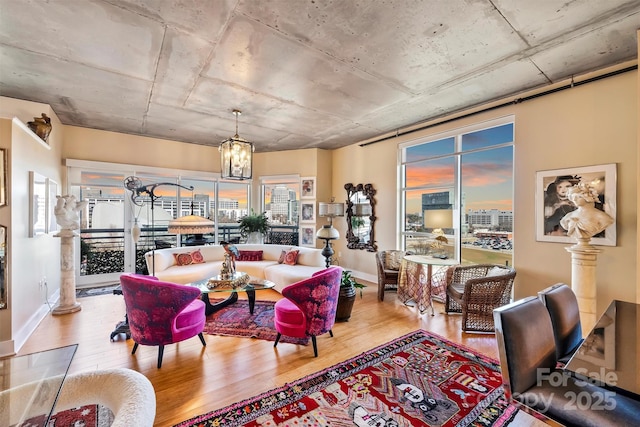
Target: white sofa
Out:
[164,266]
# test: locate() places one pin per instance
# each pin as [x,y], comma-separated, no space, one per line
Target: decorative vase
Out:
[256,238]
[346,298]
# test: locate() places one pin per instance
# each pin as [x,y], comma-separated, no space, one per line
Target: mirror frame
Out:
[353,242]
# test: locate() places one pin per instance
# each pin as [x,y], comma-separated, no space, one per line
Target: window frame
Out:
[457,154]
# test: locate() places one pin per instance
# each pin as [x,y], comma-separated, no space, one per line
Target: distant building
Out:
[490,218]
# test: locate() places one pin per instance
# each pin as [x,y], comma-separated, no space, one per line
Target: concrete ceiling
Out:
[305,73]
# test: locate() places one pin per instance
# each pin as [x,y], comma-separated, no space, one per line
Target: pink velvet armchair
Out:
[161,313]
[308,308]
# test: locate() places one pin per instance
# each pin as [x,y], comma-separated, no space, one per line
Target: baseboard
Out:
[23,334]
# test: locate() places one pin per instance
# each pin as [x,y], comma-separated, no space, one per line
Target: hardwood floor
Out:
[195,379]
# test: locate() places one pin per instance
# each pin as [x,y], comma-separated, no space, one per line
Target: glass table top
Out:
[609,353]
[254,284]
[30,385]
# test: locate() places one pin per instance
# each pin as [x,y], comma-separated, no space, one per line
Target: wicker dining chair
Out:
[475,290]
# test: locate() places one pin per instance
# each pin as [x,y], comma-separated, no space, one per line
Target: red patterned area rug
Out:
[420,379]
[236,321]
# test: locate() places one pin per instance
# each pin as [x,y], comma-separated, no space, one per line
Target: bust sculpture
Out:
[586,221]
[67,212]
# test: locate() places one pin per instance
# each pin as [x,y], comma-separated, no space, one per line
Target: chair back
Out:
[152,307]
[317,298]
[525,343]
[563,309]
[390,259]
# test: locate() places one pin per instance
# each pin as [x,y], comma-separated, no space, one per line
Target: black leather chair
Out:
[528,363]
[562,306]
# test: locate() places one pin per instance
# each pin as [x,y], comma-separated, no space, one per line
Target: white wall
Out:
[591,124]
[29,260]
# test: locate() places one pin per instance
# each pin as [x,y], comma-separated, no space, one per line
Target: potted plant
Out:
[254,226]
[347,296]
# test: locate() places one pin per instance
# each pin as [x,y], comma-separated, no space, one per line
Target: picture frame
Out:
[308,187]
[3,177]
[551,204]
[308,212]
[52,192]
[307,236]
[38,204]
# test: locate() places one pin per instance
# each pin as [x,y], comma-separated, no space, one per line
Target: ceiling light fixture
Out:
[236,156]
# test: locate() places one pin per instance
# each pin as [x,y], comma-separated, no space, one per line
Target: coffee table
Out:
[250,288]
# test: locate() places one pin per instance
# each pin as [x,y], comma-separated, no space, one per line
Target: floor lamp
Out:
[138,190]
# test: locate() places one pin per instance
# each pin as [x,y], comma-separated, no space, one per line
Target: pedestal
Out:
[583,281]
[68,303]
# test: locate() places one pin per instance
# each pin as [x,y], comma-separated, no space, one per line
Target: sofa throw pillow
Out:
[187,258]
[291,257]
[282,255]
[250,256]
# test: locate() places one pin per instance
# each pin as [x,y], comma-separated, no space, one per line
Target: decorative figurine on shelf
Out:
[67,213]
[587,220]
[41,126]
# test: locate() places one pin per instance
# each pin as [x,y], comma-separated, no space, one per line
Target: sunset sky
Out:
[487,176]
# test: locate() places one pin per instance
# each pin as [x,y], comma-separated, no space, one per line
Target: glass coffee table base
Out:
[212,308]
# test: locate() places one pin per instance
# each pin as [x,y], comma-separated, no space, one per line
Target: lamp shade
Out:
[330,209]
[438,218]
[191,224]
[327,232]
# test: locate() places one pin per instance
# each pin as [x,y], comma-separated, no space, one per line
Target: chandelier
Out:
[236,156]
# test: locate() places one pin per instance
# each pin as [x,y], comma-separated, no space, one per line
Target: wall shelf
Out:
[24,127]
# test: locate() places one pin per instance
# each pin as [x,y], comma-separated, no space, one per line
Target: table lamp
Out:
[327,232]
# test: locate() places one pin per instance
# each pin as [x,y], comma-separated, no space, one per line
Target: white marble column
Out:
[584,258]
[68,303]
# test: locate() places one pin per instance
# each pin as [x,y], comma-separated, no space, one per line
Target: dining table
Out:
[30,385]
[419,284]
[609,356]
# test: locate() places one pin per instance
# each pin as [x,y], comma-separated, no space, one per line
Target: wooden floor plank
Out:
[194,379]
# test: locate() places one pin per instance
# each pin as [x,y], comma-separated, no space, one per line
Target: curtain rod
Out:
[505,104]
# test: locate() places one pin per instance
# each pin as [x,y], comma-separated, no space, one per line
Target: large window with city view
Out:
[106,245]
[281,203]
[457,194]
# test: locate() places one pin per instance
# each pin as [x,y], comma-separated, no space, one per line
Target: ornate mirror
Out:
[361,217]
[3,266]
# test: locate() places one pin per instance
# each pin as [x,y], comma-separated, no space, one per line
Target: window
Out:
[281,203]
[106,247]
[457,194]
